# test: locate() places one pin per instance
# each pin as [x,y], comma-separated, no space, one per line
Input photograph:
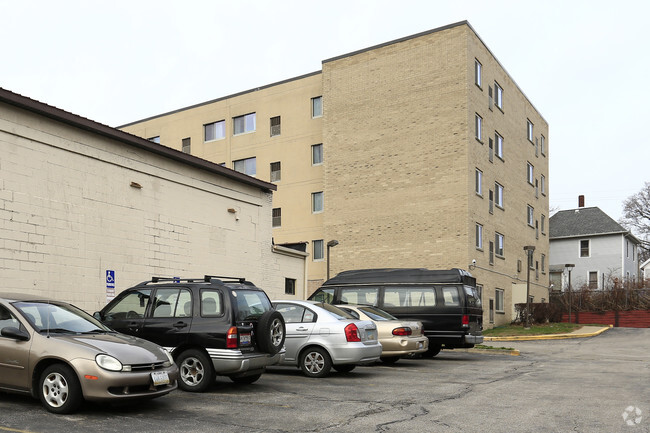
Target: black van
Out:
[447,302]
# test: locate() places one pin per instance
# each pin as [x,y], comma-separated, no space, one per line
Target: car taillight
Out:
[465,320]
[352,333]
[403,332]
[232,338]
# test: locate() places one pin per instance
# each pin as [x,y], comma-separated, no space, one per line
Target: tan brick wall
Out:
[400,159]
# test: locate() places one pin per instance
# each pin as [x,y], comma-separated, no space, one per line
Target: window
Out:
[211,304]
[276,171]
[214,131]
[498,95]
[155,139]
[479,178]
[584,248]
[478,124]
[186,145]
[477,72]
[410,296]
[289,286]
[317,106]
[317,252]
[359,295]
[317,154]
[498,245]
[247,166]
[593,279]
[530,173]
[543,263]
[543,144]
[134,302]
[543,184]
[498,194]
[498,139]
[499,300]
[275,126]
[543,224]
[244,124]
[277,217]
[529,131]
[479,236]
[172,303]
[450,296]
[317,202]
[531,214]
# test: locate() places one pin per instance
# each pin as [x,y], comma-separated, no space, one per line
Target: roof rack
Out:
[208,278]
[174,279]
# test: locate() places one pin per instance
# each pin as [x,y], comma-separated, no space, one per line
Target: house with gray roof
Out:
[600,248]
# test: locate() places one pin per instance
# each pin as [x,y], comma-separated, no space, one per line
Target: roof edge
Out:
[222,98]
[76,121]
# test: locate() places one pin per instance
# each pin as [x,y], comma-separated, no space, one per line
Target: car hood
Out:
[127,349]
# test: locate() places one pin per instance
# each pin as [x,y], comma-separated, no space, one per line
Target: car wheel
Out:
[195,371]
[344,368]
[315,362]
[245,380]
[271,332]
[389,359]
[432,351]
[59,389]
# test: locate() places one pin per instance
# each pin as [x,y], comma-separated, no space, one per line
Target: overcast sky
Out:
[581,63]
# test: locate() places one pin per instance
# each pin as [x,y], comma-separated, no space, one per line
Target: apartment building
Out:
[419,152]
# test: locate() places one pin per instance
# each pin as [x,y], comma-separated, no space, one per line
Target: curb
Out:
[548,336]
[495,351]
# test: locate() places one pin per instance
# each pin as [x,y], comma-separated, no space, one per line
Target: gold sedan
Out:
[398,338]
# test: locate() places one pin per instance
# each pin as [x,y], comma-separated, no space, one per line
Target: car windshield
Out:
[57,317]
[377,314]
[251,304]
[336,311]
[473,299]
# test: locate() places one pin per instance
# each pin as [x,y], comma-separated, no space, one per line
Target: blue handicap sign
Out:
[110,279]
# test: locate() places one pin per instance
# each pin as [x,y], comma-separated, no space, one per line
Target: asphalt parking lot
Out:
[597,384]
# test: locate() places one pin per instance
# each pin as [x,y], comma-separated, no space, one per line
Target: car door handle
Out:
[180,325]
[302,329]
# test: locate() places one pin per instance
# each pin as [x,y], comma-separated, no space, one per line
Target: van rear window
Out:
[473,299]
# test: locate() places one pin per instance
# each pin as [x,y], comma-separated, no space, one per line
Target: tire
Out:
[432,351]
[195,371]
[389,360]
[245,380]
[344,368]
[59,389]
[271,332]
[315,362]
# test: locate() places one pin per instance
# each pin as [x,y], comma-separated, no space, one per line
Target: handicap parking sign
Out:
[110,279]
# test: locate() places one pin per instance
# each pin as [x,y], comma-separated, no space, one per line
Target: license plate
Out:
[245,339]
[160,378]
[371,335]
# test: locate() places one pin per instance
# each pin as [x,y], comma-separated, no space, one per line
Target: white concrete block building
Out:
[80,201]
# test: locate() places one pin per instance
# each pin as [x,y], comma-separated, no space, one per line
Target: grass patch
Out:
[516,329]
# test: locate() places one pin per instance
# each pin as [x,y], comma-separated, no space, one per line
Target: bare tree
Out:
[636,217]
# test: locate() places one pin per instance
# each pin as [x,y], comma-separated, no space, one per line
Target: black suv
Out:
[212,326]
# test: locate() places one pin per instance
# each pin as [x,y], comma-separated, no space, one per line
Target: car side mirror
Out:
[97,315]
[15,333]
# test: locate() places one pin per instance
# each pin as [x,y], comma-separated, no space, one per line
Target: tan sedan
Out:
[398,337]
[62,355]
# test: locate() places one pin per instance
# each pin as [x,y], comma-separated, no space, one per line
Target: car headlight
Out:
[170,357]
[108,362]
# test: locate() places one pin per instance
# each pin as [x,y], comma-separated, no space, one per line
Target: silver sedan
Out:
[320,337]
